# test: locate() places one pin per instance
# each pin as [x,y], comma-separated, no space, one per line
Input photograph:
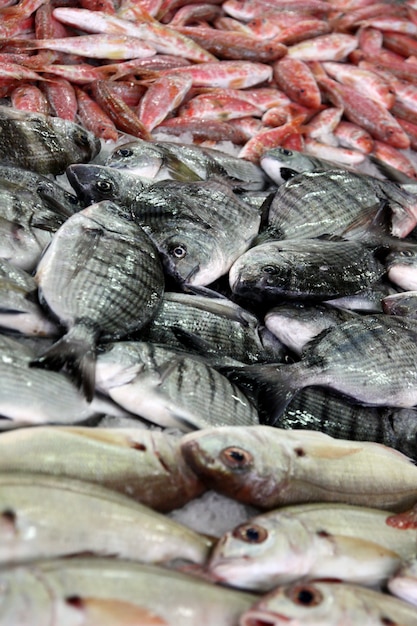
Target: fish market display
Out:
[208,366]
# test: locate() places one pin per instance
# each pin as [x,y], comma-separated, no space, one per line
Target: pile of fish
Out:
[180,324]
[185,330]
[334,78]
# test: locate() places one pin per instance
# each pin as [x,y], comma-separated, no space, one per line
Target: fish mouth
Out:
[259,618]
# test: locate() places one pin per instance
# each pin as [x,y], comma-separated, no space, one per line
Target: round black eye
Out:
[286,152]
[124,152]
[179,251]
[305,595]
[236,458]
[269,269]
[104,186]
[407,253]
[251,533]
[81,139]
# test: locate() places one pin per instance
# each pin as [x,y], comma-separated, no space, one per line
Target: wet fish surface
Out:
[94,294]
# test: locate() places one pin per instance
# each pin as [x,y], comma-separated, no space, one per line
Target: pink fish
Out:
[351,135]
[337,154]
[162,97]
[376,87]
[94,118]
[295,78]
[28,97]
[331,47]
[214,106]
[234,74]
[61,98]
[270,138]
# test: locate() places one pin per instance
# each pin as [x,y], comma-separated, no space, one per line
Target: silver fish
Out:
[40,518]
[144,464]
[101,277]
[349,543]
[372,359]
[42,143]
[170,388]
[102,591]
[403,304]
[328,604]
[304,268]
[200,228]
[268,467]
[402,267]
[282,164]
[334,201]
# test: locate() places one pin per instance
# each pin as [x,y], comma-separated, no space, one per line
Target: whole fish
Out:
[214,326]
[328,604]
[351,543]
[41,519]
[163,159]
[267,468]
[200,228]
[403,583]
[98,591]
[304,268]
[43,144]
[144,464]
[315,408]
[371,359]
[170,388]
[101,277]
[331,201]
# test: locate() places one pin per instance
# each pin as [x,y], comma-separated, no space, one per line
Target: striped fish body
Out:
[171,388]
[101,277]
[330,202]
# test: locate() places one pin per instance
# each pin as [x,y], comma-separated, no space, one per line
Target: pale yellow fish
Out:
[141,463]
[269,467]
[46,516]
[109,592]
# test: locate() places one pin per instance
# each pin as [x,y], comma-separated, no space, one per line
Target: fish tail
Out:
[75,353]
[272,385]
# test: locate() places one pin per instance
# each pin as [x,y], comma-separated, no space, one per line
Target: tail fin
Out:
[75,352]
[274,386]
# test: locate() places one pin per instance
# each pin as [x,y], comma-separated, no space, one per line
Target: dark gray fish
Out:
[19,308]
[314,408]
[42,143]
[161,160]
[297,323]
[402,266]
[52,194]
[200,228]
[101,277]
[304,268]
[171,388]
[403,304]
[214,326]
[94,183]
[335,201]
[371,359]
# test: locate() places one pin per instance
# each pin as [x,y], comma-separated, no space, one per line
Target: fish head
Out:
[403,304]
[138,157]
[261,272]
[81,144]
[94,183]
[261,553]
[402,267]
[298,604]
[192,256]
[236,462]
[277,161]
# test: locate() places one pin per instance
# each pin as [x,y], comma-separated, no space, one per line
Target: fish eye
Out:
[305,595]
[407,253]
[251,533]
[104,186]
[124,152]
[178,251]
[81,138]
[269,269]
[286,152]
[236,458]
